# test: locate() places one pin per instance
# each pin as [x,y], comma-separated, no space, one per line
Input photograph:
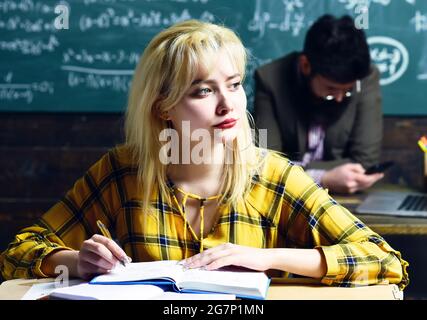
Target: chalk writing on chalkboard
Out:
[293,19]
[390,56]
[10,91]
[93,60]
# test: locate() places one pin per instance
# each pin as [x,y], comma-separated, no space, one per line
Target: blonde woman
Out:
[190,185]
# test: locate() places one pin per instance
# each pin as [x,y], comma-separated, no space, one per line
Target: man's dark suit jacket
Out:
[355,137]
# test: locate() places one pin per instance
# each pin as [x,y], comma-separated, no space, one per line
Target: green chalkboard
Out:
[88,67]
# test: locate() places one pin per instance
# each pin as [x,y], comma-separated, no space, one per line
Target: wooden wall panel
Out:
[42,155]
[400,145]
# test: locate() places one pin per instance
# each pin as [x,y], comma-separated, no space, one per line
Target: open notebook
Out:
[170,274]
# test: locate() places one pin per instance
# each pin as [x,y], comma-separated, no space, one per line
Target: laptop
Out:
[394,203]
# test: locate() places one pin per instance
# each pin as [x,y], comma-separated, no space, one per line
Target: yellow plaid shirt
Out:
[284,208]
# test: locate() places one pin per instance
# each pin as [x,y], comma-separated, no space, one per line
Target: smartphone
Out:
[380,167]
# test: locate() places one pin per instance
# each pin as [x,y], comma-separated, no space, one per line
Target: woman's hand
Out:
[98,255]
[231,254]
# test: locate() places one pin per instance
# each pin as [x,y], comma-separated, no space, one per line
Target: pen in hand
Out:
[107,234]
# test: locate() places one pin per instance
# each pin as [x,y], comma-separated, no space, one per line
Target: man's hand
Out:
[349,178]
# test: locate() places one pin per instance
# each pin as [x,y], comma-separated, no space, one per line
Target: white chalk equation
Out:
[292,18]
[26,6]
[111,57]
[27,25]
[25,92]
[32,47]
[116,80]
[89,2]
[390,56]
[110,18]
[422,64]
[352,4]
[419,21]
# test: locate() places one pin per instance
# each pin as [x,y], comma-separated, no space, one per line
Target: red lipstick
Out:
[226,124]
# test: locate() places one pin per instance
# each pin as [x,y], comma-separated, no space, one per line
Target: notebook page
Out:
[40,290]
[88,291]
[244,281]
[142,271]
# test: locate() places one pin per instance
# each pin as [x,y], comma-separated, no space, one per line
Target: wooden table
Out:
[280,289]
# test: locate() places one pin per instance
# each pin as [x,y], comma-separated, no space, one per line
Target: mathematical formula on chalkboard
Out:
[87,66]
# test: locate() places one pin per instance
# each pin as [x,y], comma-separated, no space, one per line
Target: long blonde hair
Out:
[164,73]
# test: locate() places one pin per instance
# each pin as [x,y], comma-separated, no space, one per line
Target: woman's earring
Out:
[164,116]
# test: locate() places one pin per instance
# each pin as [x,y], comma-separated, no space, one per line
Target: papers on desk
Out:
[167,280]
[88,291]
[41,290]
[80,290]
